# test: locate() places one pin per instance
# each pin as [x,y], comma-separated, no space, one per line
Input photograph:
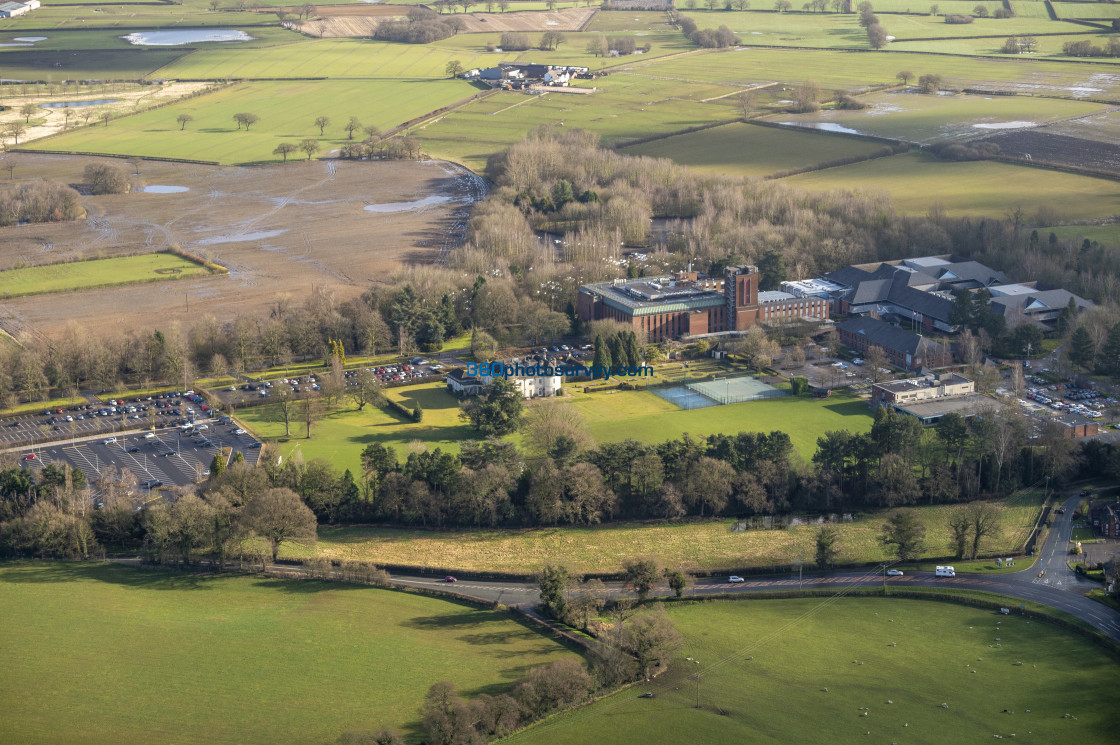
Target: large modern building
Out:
[918,294]
[688,304]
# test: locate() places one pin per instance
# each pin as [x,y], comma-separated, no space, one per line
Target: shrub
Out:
[514,41]
[849,102]
[965,151]
[958,18]
[106,179]
[39,201]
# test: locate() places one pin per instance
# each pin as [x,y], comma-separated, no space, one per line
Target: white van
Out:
[946,572]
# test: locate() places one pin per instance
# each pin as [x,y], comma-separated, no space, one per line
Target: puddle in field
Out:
[427,201]
[30,39]
[258,235]
[186,36]
[164,189]
[77,104]
[17,45]
[824,127]
[1005,125]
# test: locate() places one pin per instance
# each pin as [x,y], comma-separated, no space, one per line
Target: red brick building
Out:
[687,304]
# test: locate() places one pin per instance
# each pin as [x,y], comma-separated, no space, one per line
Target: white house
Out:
[529,375]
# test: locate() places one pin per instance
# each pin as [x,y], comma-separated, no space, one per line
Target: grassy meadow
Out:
[113,655]
[748,150]
[287,112]
[924,119]
[915,182]
[82,275]
[858,670]
[694,545]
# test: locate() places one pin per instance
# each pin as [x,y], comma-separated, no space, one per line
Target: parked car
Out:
[108,440]
[30,456]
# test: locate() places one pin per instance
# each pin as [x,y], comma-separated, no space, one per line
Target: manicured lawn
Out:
[751,150]
[341,437]
[38,406]
[611,415]
[859,670]
[287,113]
[81,275]
[112,655]
[617,415]
[915,182]
[921,118]
[604,548]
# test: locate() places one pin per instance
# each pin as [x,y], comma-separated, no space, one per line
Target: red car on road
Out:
[449,578]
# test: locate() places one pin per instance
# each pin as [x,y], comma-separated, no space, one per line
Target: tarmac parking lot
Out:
[165,455]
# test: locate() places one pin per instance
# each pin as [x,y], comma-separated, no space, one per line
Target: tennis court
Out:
[736,390]
[718,392]
[684,397]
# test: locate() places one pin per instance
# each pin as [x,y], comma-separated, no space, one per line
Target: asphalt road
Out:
[1059,587]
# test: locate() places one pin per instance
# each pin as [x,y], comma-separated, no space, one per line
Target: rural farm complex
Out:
[447,372]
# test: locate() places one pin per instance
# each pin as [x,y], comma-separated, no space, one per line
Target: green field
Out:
[974,188]
[611,416]
[747,150]
[287,113]
[859,670]
[1108,235]
[920,118]
[82,275]
[96,653]
[700,545]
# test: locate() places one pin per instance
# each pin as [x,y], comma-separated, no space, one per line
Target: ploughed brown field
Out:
[280,230]
[362,20]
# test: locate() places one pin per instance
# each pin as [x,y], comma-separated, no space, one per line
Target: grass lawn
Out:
[611,415]
[915,182]
[1108,235]
[82,275]
[919,118]
[37,406]
[96,654]
[287,113]
[694,546]
[747,150]
[859,670]
[617,415]
[341,437]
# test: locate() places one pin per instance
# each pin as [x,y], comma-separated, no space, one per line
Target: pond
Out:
[406,206]
[77,104]
[824,127]
[30,39]
[186,36]
[163,189]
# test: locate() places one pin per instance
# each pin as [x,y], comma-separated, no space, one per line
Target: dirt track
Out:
[280,229]
[353,21]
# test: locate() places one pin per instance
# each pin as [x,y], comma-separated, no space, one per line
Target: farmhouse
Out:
[904,349]
[13,9]
[690,304]
[521,75]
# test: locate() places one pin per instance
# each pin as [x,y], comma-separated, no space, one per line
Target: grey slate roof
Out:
[882,334]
